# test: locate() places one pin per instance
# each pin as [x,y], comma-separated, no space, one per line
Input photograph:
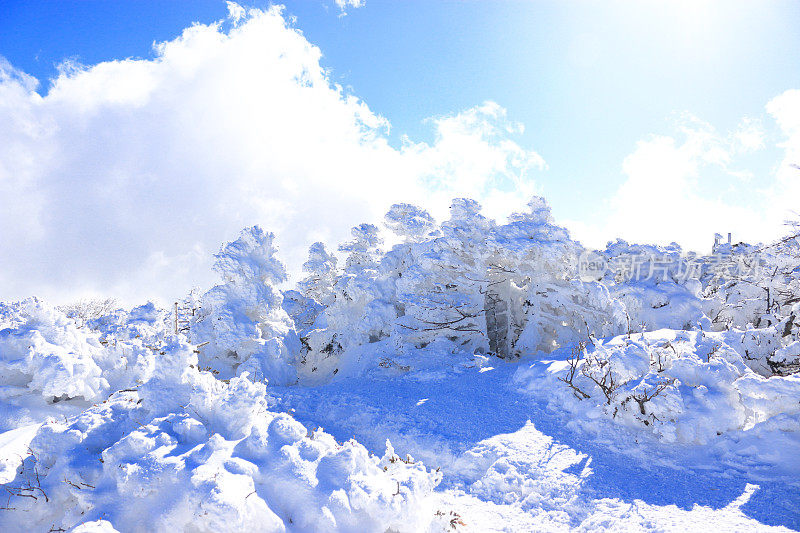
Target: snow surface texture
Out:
[534,394]
[51,366]
[189,452]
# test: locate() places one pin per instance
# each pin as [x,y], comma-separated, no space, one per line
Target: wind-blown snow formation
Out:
[504,356]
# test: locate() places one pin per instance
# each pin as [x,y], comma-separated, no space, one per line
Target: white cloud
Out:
[235,12]
[785,108]
[749,136]
[688,186]
[473,154]
[345,4]
[127,175]
[785,194]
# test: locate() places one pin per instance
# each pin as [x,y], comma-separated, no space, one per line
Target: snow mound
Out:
[48,364]
[221,461]
[43,351]
[681,386]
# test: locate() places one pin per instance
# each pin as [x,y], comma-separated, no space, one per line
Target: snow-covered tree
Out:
[444,298]
[658,285]
[363,250]
[543,304]
[360,312]
[88,309]
[242,326]
[410,223]
[756,286]
[315,292]
[320,269]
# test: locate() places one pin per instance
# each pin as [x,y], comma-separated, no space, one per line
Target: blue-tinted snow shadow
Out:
[615,476]
[680,475]
[775,504]
[457,412]
[463,409]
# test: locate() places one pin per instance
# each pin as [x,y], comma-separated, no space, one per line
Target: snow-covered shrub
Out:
[765,350]
[174,378]
[146,321]
[43,351]
[655,284]
[755,286]
[218,462]
[88,309]
[681,386]
[46,359]
[736,288]
[786,360]
[559,313]
[242,326]
[134,340]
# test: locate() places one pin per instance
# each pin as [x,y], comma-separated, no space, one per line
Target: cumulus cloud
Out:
[686,186]
[749,135]
[127,175]
[473,153]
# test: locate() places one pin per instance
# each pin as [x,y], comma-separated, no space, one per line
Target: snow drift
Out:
[154,420]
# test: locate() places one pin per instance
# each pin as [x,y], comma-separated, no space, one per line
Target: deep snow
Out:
[474,377]
[514,461]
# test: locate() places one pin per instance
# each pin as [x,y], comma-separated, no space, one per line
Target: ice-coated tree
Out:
[416,229]
[364,249]
[320,269]
[88,309]
[538,302]
[361,311]
[755,286]
[658,285]
[411,223]
[507,289]
[360,286]
[444,297]
[315,292]
[242,326]
[405,264]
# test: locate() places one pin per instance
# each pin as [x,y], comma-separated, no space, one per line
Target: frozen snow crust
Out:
[534,395]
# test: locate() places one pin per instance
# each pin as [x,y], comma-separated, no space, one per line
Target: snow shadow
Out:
[440,418]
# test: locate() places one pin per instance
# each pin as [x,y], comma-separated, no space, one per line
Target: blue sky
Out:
[588,80]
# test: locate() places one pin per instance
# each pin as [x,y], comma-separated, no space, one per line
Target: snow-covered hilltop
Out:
[540,386]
